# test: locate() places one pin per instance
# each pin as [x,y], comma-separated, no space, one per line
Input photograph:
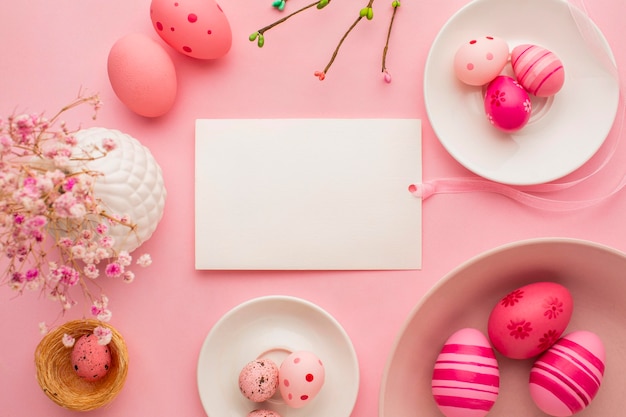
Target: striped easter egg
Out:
[565,379]
[538,70]
[466,377]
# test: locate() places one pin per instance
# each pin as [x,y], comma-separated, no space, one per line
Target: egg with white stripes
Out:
[565,379]
[466,376]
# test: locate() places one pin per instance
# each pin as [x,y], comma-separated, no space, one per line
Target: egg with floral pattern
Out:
[529,320]
[301,377]
[507,104]
[197,28]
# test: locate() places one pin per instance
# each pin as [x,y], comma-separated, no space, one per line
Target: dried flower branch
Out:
[366,12]
[47,190]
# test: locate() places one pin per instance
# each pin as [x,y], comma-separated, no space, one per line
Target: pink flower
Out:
[114,269]
[109,144]
[103,334]
[68,341]
[144,260]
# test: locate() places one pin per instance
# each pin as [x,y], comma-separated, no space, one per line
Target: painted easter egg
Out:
[197,28]
[538,70]
[258,380]
[466,377]
[90,360]
[301,377]
[142,75]
[507,105]
[480,60]
[565,379]
[528,320]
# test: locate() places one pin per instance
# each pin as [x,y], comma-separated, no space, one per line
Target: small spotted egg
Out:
[507,104]
[480,60]
[529,319]
[90,360]
[197,28]
[566,378]
[301,377]
[538,70]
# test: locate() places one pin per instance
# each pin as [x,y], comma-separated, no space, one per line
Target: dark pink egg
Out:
[528,320]
[565,379]
[507,104]
[538,70]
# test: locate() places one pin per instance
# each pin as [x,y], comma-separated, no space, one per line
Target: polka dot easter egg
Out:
[263,413]
[466,377]
[565,379]
[480,60]
[301,378]
[538,70]
[507,104]
[197,28]
[90,360]
[528,320]
[258,380]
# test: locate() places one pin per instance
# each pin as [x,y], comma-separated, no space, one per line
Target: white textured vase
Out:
[132,185]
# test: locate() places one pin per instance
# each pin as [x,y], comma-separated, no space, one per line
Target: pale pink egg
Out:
[90,360]
[301,376]
[197,28]
[566,378]
[480,60]
[466,376]
[507,104]
[258,380]
[538,70]
[263,413]
[530,319]
[142,75]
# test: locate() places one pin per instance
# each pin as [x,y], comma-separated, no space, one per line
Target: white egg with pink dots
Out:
[301,376]
[480,60]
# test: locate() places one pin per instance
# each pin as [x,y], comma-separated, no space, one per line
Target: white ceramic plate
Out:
[272,327]
[564,131]
[594,275]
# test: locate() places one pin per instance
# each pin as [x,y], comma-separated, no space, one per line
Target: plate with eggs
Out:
[532,328]
[277,356]
[521,92]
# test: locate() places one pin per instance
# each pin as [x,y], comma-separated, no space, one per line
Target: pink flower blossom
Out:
[144,260]
[109,144]
[68,341]
[103,334]
[114,269]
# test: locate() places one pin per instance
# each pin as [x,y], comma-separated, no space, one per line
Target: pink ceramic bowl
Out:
[596,278]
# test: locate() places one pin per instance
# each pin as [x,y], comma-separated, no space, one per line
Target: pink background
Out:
[51,49]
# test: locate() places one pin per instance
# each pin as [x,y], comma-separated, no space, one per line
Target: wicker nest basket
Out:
[58,379]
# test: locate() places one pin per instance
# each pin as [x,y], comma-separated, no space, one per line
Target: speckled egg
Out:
[90,360]
[530,319]
[258,380]
[507,104]
[301,378]
[263,413]
[197,28]
[466,376]
[480,60]
[142,75]
[566,378]
[538,70]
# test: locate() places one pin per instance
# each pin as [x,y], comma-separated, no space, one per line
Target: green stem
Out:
[278,22]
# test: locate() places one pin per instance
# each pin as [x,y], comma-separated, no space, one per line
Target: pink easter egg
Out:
[197,28]
[142,75]
[263,413]
[507,104]
[480,60]
[538,70]
[301,377]
[90,360]
[566,378]
[258,380]
[528,320]
[466,377]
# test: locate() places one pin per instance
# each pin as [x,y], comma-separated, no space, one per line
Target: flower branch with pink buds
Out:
[366,12]
[53,228]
